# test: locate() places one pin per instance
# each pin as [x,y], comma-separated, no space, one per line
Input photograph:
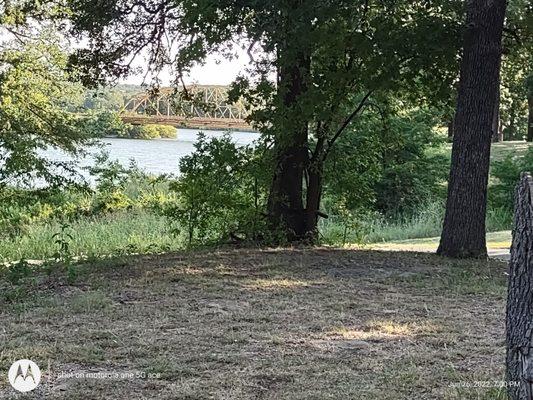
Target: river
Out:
[155,156]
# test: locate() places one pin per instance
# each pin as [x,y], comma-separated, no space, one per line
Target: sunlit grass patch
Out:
[277,283]
[383,329]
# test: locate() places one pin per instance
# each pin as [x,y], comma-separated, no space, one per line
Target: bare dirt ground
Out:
[261,324]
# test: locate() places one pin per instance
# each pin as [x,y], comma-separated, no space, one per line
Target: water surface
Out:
[155,156]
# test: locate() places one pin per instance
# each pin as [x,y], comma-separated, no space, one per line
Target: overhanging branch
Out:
[348,120]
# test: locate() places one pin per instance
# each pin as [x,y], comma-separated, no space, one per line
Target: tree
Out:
[37,104]
[516,67]
[519,328]
[463,233]
[329,58]
[529,91]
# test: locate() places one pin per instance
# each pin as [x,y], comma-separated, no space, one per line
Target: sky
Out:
[215,71]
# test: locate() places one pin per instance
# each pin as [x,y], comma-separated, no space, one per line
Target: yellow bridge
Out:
[197,106]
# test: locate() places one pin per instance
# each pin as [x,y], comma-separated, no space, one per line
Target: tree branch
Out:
[348,120]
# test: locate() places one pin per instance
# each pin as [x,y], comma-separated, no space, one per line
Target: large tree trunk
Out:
[530,116]
[463,233]
[519,321]
[285,204]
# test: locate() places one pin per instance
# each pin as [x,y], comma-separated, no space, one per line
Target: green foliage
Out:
[118,189]
[18,271]
[415,168]
[112,201]
[160,131]
[104,124]
[62,240]
[111,175]
[392,166]
[507,174]
[220,192]
[149,131]
[37,100]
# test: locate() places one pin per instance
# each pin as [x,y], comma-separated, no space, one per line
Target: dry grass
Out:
[264,324]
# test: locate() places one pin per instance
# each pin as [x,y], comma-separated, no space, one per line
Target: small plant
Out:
[18,271]
[62,240]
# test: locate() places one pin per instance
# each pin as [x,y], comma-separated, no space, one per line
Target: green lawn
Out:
[501,150]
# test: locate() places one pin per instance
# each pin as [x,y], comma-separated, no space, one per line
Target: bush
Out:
[221,192]
[161,131]
[105,123]
[118,188]
[151,131]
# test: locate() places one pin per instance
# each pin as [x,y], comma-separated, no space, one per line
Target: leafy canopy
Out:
[37,104]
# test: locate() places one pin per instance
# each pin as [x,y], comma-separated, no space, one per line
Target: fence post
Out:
[519,319]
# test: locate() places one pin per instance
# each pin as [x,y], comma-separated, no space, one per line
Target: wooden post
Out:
[519,320]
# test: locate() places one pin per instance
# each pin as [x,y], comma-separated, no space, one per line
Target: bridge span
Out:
[198,107]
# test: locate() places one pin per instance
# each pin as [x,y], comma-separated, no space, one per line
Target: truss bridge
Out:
[197,107]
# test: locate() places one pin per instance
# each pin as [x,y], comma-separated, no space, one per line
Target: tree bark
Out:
[450,129]
[519,319]
[463,233]
[285,204]
[530,116]
[496,131]
[314,195]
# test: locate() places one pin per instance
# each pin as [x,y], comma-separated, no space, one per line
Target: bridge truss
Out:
[199,107]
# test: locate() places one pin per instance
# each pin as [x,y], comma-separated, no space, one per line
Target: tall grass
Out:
[423,223]
[143,231]
[132,232]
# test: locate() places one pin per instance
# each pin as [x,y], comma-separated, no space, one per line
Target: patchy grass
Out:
[495,240]
[262,324]
[500,150]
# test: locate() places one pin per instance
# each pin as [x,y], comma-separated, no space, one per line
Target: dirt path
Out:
[262,324]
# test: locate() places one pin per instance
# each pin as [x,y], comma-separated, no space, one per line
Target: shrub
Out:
[220,192]
[112,201]
[392,164]
[160,131]
[105,123]
[151,131]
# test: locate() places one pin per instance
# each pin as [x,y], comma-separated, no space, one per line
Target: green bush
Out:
[393,166]
[104,123]
[117,188]
[151,131]
[221,192]
[161,131]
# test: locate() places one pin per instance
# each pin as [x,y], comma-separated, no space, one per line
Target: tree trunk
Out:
[450,129]
[496,131]
[519,320]
[285,204]
[463,233]
[314,195]
[530,117]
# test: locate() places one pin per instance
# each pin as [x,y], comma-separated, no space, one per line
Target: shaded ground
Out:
[252,324]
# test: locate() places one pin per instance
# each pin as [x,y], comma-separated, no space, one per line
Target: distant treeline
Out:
[110,98]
